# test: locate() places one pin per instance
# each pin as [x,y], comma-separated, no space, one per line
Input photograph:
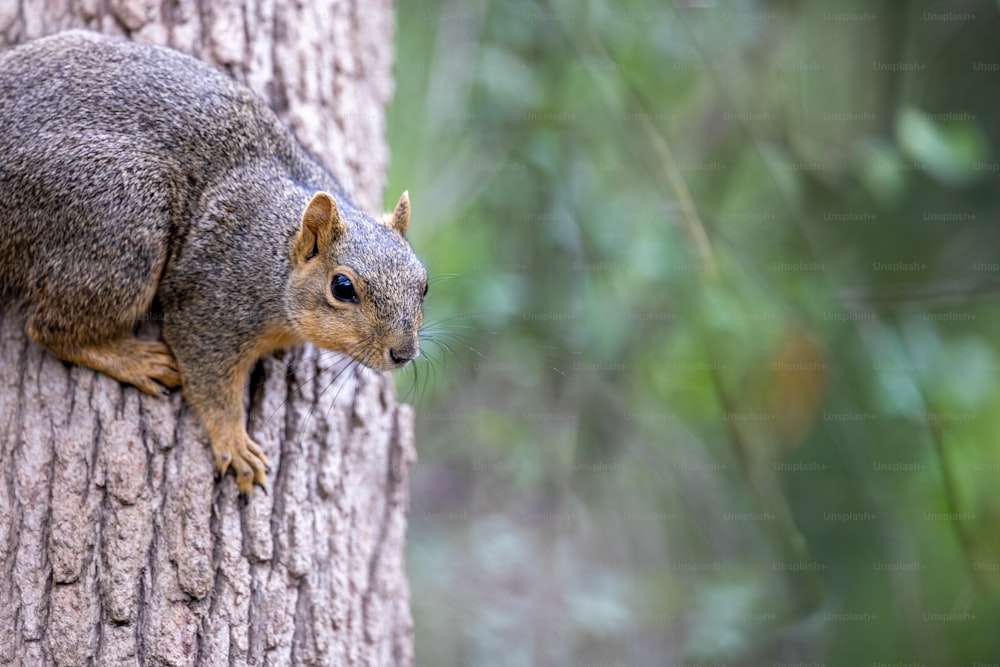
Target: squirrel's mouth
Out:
[399,357]
[391,361]
[392,358]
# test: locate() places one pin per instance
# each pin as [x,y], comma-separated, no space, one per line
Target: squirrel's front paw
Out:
[245,458]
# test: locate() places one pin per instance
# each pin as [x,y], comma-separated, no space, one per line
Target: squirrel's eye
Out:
[425,289]
[343,289]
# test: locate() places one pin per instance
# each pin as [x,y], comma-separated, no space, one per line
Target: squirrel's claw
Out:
[245,458]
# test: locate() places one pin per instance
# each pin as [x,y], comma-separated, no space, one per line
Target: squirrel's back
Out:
[94,128]
[97,88]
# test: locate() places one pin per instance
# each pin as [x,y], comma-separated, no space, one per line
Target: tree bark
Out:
[117,545]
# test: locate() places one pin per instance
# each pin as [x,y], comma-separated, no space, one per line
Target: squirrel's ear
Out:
[400,218]
[321,227]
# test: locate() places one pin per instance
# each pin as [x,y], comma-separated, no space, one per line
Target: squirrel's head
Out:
[356,285]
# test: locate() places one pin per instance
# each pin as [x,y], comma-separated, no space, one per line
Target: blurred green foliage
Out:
[710,368]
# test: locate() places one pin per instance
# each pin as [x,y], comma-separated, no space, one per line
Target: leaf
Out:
[798,385]
[949,153]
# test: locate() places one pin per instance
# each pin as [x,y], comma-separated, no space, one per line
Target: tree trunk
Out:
[117,545]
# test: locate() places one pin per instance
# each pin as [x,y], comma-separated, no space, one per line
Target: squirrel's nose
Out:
[403,354]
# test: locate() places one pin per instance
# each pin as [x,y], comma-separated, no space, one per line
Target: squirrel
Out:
[131,173]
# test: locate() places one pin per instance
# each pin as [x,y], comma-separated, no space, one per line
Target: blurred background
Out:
[710,370]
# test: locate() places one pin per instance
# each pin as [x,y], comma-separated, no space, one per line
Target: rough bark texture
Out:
[117,546]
